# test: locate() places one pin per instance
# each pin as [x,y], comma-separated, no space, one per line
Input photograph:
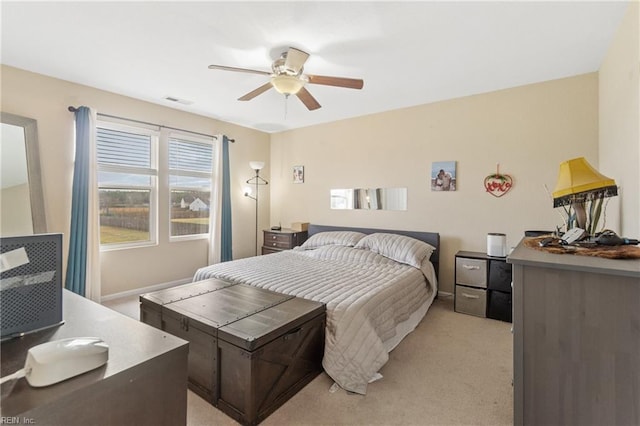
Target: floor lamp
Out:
[256,180]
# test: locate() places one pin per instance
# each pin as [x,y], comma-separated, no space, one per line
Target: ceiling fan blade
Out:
[350,83]
[256,92]
[308,100]
[295,59]
[224,68]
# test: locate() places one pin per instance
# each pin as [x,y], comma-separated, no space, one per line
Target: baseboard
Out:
[142,290]
[444,294]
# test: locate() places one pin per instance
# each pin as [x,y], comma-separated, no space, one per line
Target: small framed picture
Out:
[443,176]
[298,174]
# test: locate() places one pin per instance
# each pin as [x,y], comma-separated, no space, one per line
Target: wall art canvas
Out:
[298,174]
[443,176]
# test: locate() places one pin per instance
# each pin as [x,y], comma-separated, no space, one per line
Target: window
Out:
[127,170]
[190,163]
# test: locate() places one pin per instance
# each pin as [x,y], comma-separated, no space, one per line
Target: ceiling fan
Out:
[287,78]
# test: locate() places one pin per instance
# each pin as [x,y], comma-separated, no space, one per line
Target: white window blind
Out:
[124,149]
[127,185]
[189,156]
[190,165]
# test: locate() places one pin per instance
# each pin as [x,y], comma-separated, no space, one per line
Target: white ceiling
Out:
[408,53]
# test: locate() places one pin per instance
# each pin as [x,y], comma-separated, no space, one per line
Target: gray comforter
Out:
[367,296]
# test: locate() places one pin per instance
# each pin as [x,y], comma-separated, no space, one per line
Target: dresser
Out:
[143,383]
[576,325]
[482,285]
[284,239]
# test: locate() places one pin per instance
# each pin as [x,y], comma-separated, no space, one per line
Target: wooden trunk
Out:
[250,349]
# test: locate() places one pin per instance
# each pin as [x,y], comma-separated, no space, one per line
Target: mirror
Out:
[22,207]
[369,199]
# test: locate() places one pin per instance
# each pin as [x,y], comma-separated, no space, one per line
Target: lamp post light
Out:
[248,191]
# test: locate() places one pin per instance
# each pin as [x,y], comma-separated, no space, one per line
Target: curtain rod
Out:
[74,109]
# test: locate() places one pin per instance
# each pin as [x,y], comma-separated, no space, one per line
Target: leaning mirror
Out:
[369,199]
[22,206]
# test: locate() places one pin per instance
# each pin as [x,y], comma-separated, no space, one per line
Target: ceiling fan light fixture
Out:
[287,84]
[288,78]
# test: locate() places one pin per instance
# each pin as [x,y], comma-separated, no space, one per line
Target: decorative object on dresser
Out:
[246,360]
[284,239]
[576,339]
[555,245]
[482,286]
[256,181]
[581,191]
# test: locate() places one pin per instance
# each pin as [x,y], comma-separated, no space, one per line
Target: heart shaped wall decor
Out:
[498,184]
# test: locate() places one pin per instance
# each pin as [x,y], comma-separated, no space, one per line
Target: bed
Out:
[377,286]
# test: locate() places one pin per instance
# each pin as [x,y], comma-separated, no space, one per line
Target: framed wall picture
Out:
[298,174]
[443,176]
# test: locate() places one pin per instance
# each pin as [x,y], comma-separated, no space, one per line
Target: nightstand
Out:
[483,285]
[285,239]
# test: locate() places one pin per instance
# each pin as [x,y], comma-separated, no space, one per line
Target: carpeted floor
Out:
[454,369]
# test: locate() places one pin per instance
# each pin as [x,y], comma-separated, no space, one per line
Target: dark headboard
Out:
[432,238]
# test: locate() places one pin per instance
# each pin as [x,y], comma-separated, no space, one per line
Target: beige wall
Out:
[619,151]
[529,130]
[46,100]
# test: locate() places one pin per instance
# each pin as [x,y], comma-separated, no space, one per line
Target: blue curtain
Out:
[225,220]
[77,263]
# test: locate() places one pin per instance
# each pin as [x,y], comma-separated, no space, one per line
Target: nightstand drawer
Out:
[275,237]
[283,239]
[471,272]
[472,301]
[275,243]
[268,250]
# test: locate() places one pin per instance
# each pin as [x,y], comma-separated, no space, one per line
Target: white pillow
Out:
[400,248]
[340,238]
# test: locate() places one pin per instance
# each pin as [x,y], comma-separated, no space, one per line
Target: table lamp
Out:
[582,188]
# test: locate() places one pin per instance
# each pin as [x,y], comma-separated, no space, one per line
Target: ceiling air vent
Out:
[178,100]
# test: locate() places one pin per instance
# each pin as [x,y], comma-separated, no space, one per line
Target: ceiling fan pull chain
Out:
[286,98]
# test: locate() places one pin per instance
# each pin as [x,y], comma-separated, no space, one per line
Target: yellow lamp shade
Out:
[578,181]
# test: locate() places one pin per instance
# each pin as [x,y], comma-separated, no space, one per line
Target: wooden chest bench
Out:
[250,349]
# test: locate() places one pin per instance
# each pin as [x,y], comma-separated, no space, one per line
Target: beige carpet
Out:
[454,369]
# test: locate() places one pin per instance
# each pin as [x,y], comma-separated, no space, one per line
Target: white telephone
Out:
[573,235]
[58,360]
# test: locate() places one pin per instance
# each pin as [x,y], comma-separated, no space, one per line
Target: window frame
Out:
[188,173]
[152,172]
